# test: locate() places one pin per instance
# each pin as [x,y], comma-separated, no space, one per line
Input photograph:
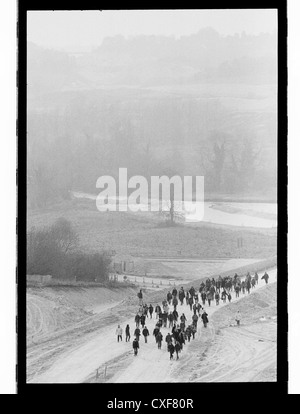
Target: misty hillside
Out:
[156,60]
[203,104]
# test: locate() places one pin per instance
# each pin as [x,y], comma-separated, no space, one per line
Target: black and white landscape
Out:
[182,93]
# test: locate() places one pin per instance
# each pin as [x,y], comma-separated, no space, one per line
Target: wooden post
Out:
[97,373]
[105,372]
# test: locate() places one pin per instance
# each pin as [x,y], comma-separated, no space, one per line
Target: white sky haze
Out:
[63,29]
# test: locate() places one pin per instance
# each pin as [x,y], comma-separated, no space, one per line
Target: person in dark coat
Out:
[248,286]
[140,296]
[137,320]
[143,319]
[193,330]
[191,301]
[159,339]
[155,331]
[187,296]
[169,297]
[165,319]
[195,319]
[135,346]
[150,310]
[137,333]
[209,298]
[181,338]
[177,349]
[204,318]
[223,295]
[203,297]
[266,277]
[145,332]
[175,314]
[237,290]
[181,295]
[174,292]
[183,318]
[127,333]
[171,349]
[168,338]
[217,297]
[229,297]
[175,302]
[171,319]
[188,333]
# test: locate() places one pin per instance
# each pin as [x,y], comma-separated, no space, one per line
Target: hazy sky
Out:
[61,29]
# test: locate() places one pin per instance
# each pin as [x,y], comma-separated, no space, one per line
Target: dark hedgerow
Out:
[54,251]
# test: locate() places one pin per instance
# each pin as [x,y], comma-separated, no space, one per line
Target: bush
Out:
[93,267]
[53,251]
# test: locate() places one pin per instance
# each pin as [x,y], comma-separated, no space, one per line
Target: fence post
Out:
[105,372]
[97,374]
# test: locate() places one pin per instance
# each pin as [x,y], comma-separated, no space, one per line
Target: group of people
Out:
[167,316]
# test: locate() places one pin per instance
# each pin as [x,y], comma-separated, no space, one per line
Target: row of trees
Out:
[55,250]
[60,161]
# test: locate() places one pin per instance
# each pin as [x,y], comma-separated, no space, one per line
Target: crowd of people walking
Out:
[183,328]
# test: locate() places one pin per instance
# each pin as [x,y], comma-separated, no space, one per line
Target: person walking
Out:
[150,309]
[175,302]
[135,346]
[168,338]
[229,297]
[204,318]
[188,333]
[193,330]
[137,320]
[181,295]
[256,278]
[187,296]
[266,277]
[238,318]
[140,296]
[209,298]
[223,295]
[145,332]
[171,349]
[195,319]
[203,297]
[159,339]
[217,297]
[177,349]
[143,320]
[119,333]
[169,297]
[157,310]
[127,333]
[191,301]
[137,333]
[171,319]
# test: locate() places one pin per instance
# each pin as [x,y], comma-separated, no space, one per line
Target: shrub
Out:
[53,250]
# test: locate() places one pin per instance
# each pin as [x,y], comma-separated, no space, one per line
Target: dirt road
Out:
[152,365]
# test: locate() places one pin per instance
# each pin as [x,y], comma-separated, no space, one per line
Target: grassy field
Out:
[136,235]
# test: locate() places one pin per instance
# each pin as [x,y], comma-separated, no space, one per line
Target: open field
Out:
[138,235]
